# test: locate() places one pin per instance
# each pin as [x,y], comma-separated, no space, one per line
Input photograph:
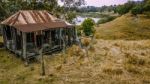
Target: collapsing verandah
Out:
[28,31]
[28,44]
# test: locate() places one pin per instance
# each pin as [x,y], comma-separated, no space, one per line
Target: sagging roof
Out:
[34,20]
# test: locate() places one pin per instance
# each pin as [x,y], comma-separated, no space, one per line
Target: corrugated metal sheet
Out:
[38,27]
[34,20]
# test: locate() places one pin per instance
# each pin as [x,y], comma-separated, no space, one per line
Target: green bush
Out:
[88,26]
[147,7]
[79,29]
[107,19]
[123,9]
[137,10]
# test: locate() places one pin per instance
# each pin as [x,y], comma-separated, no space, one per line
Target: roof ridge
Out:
[32,10]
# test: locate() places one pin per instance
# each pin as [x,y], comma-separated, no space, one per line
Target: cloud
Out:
[105,2]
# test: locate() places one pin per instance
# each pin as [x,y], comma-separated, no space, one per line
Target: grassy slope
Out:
[126,27]
[118,62]
[1,39]
[109,62]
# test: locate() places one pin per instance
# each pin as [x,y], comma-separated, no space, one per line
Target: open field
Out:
[125,60]
[118,62]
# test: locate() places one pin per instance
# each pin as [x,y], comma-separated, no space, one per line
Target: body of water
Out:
[80,19]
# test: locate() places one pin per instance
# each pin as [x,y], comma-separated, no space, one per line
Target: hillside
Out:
[108,62]
[126,27]
[117,62]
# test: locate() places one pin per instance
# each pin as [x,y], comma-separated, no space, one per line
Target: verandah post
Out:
[4,37]
[24,49]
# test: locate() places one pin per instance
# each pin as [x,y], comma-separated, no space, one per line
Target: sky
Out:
[100,3]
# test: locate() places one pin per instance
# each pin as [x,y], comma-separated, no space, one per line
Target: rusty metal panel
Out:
[34,20]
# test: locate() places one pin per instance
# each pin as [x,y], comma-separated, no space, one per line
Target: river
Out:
[80,19]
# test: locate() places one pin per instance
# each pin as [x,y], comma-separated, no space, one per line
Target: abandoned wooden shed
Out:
[27,31]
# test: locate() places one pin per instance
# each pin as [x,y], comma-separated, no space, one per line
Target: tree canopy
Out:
[8,7]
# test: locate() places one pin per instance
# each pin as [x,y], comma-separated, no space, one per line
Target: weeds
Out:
[111,71]
[97,36]
[132,69]
[136,61]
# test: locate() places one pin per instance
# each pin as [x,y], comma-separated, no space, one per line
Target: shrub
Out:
[97,36]
[75,51]
[123,9]
[136,61]
[147,6]
[79,30]
[88,27]
[85,42]
[137,10]
[107,19]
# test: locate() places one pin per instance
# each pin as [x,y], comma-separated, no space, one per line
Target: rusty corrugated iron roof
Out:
[37,27]
[34,20]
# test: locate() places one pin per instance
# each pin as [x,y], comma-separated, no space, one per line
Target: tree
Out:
[88,27]
[69,14]
[9,7]
[137,10]
[147,5]
[123,9]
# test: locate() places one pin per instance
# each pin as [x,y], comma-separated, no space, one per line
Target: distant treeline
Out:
[96,9]
[136,7]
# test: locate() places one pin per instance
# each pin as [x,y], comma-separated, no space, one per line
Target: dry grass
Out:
[125,27]
[1,39]
[108,62]
[111,62]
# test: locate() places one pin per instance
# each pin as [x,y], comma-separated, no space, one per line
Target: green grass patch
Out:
[1,39]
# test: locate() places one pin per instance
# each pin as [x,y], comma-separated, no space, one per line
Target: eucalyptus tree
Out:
[3,10]
[68,4]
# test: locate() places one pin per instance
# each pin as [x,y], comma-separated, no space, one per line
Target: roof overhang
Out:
[43,26]
[34,20]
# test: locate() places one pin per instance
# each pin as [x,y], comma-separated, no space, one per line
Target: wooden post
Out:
[50,38]
[74,35]
[4,37]
[64,42]
[24,49]
[69,36]
[42,58]
[14,39]
[60,37]
[78,40]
